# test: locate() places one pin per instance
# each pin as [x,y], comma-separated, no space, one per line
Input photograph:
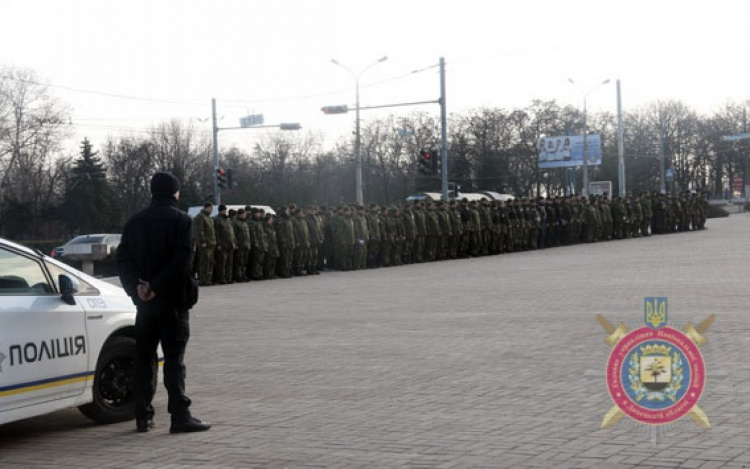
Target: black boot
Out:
[188,424]
[144,424]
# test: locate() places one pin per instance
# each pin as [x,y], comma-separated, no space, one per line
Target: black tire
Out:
[113,383]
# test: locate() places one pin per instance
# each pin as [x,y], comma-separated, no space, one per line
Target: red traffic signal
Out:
[426,162]
[340,109]
[221,178]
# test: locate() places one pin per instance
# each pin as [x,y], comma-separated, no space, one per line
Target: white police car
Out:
[66,339]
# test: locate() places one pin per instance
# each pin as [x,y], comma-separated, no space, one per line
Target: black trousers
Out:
[171,327]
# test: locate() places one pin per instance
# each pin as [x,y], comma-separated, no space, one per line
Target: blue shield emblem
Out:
[655,311]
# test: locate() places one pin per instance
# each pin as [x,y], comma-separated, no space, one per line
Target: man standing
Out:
[286,239]
[269,259]
[226,244]
[205,243]
[259,241]
[302,245]
[315,227]
[153,260]
[242,253]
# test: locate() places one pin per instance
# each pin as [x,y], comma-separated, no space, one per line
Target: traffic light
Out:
[221,178]
[340,109]
[427,163]
[435,160]
[230,184]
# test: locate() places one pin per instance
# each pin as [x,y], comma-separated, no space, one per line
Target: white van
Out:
[195,209]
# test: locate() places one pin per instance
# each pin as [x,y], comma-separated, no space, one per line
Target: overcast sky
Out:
[274,57]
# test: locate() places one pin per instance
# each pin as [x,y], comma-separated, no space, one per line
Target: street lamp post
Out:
[585,94]
[357,141]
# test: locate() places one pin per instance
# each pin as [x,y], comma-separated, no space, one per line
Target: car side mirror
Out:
[68,286]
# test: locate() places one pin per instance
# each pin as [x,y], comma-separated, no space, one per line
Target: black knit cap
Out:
[164,184]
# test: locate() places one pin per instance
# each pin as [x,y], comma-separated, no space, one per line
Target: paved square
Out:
[491,362]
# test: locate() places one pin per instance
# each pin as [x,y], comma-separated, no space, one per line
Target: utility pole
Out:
[443,131]
[662,182]
[585,191]
[358,137]
[620,145]
[215,128]
[747,163]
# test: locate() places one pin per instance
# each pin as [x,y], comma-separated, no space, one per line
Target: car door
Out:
[43,343]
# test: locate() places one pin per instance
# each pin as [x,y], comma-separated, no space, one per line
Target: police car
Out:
[66,339]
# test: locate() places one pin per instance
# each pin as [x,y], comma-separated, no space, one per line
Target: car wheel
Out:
[113,383]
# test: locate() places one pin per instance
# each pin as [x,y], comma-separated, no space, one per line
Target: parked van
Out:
[435,196]
[195,209]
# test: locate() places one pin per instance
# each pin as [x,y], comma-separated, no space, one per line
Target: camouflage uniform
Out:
[302,242]
[421,231]
[432,225]
[398,237]
[205,241]
[259,244]
[362,237]
[457,230]
[374,229]
[241,254]
[342,232]
[286,239]
[486,232]
[410,233]
[441,249]
[703,207]
[648,214]
[606,217]
[315,228]
[475,230]
[686,217]
[225,246]
[269,260]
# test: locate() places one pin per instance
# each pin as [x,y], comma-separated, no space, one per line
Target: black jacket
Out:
[156,247]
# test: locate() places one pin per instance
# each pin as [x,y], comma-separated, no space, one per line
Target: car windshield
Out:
[87,240]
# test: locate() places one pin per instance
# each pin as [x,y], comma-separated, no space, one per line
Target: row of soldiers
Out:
[250,244]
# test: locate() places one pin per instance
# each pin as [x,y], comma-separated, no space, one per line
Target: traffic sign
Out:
[251,120]
[669,174]
[340,109]
[734,138]
[737,183]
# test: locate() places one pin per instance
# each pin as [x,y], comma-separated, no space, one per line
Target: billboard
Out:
[600,188]
[567,151]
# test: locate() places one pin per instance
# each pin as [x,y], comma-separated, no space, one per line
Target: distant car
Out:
[105,244]
[66,339]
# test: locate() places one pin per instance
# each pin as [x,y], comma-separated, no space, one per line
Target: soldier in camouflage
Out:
[205,244]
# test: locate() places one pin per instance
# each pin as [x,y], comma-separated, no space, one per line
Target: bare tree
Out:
[130,166]
[33,126]
[179,148]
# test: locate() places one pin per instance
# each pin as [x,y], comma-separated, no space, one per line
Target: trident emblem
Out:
[655,311]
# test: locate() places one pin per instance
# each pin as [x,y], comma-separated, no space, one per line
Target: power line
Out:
[195,103]
[100,93]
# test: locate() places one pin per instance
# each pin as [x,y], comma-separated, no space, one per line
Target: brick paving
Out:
[491,362]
